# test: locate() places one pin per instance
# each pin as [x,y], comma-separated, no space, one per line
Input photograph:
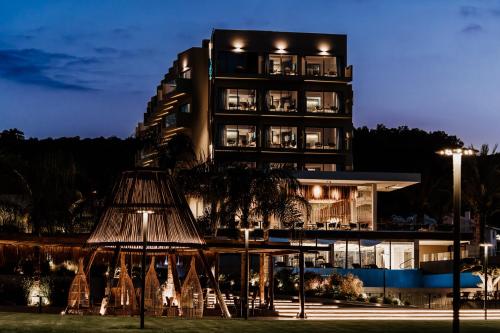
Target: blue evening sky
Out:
[88,68]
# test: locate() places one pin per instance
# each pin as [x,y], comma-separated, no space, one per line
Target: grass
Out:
[25,322]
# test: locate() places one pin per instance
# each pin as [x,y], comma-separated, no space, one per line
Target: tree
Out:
[403,149]
[239,196]
[482,186]
[276,193]
[493,277]
[55,178]
[11,135]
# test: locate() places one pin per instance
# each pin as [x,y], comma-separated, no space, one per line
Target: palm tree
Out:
[206,182]
[482,186]
[276,193]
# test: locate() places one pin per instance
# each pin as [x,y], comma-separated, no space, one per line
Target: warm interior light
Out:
[317,191]
[335,194]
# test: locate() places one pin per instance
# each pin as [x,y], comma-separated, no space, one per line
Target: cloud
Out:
[495,11]
[40,68]
[469,11]
[125,32]
[472,28]
[106,50]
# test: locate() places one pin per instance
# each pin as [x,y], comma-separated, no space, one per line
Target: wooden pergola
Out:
[148,215]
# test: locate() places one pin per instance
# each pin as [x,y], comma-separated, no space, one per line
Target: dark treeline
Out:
[59,185]
[403,149]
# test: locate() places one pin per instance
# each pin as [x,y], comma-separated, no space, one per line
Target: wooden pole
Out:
[220,298]
[143,266]
[302,296]
[216,271]
[271,282]
[262,278]
[245,280]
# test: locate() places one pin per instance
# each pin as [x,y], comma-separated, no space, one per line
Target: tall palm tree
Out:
[276,193]
[482,186]
[206,182]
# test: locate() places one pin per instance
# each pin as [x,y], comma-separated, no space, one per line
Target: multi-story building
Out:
[270,99]
[281,99]
[261,98]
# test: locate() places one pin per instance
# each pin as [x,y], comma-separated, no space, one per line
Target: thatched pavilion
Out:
[148,215]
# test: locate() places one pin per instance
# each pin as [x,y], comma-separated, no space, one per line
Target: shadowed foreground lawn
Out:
[23,322]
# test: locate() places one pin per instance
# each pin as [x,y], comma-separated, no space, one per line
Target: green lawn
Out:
[23,322]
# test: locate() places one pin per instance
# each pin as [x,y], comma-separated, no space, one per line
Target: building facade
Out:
[266,99]
[285,100]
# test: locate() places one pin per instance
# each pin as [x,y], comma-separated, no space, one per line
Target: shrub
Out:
[375,299]
[387,300]
[285,281]
[36,290]
[362,298]
[351,286]
[314,284]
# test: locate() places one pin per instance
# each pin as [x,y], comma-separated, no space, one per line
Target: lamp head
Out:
[142,211]
[457,151]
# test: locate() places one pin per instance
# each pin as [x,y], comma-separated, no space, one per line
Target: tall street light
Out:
[244,301]
[144,231]
[485,272]
[457,154]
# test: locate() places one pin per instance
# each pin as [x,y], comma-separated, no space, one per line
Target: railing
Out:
[404,262]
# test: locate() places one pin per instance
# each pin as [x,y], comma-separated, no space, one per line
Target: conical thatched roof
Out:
[172,225]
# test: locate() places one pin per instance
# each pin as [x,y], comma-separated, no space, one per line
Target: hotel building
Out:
[285,100]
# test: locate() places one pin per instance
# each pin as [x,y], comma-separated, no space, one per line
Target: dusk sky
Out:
[88,68]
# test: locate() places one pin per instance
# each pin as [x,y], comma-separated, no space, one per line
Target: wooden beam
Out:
[89,264]
[172,261]
[215,283]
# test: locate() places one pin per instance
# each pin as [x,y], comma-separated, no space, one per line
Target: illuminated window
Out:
[281,137]
[322,138]
[239,99]
[283,64]
[322,101]
[286,166]
[320,66]
[320,167]
[281,101]
[238,136]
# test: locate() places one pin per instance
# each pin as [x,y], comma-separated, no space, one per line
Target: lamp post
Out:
[485,272]
[244,301]
[144,231]
[456,153]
